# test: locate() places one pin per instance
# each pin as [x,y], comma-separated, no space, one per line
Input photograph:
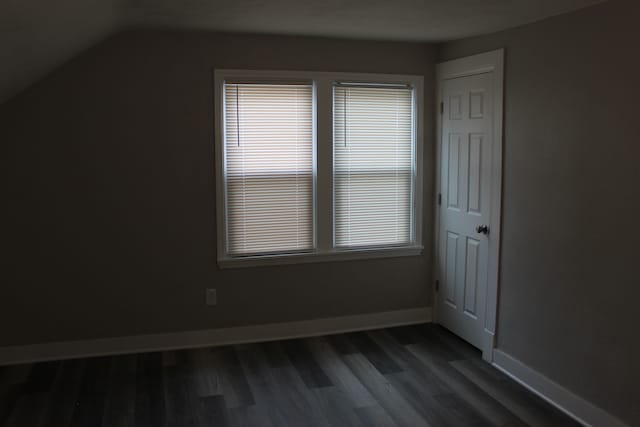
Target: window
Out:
[373,165]
[269,168]
[317,166]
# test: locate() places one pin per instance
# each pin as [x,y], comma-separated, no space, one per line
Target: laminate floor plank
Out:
[205,375]
[374,416]
[422,388]
[399,410]
[298,397]
[42,376]
[339,373]
[214,411]
[459,412]
[250,416]
[410,363]
[64,394]
[120,400]
[92,393]
[275,354]
[489,408]
[374,353]
[420,399]
[150,397]
[28,410]
[406,335]
[283,392]
[15,374]
[417,376]
[337,409]
[532,410]
[274,406]
[347,394]
[12,385]
[305,364]
[342,344]
[440,348]
[457,347]
[9,396]
[234,384]
[181,402]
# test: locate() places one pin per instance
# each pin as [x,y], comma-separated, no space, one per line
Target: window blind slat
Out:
[373,166]
[269,168]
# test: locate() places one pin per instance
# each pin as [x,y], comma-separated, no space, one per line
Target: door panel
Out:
[450,273]
[475,166]
[467,139]
[454,171]
[471,281]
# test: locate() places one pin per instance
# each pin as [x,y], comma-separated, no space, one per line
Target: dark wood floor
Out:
[407,376]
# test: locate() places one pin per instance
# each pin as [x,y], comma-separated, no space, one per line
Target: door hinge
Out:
[437,285]
[442,108]
[439,199]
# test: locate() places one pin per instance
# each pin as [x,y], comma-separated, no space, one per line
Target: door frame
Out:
[488,62]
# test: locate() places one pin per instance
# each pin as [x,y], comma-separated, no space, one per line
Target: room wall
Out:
[568,279]
[37,35]
[109,213]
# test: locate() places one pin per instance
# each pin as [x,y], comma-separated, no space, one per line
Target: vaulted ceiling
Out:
[38,35]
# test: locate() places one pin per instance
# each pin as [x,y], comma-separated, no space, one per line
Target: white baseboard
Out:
[210,337]
[576,407]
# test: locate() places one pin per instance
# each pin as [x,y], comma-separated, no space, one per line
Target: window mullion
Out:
[324,166]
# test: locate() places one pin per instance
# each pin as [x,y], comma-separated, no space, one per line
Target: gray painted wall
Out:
[569,275]
[37,36]
[109,213]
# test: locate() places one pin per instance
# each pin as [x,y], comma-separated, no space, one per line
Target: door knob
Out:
[482,229]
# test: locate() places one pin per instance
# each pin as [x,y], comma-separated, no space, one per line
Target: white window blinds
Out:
[373,165]
[269,168]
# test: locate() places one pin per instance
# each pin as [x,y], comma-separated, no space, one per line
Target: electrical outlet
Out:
[212,297]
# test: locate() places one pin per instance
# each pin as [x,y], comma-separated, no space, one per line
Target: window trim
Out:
[323,208]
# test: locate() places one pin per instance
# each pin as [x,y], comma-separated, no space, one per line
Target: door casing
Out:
[488,62]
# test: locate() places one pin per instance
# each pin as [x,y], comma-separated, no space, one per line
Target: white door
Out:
[465,204]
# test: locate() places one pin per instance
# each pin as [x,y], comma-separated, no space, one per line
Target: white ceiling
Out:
[409,20]
[38,35]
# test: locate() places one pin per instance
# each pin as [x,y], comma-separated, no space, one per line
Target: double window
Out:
[317,166]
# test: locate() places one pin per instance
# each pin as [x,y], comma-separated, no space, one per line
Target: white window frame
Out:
[323,209]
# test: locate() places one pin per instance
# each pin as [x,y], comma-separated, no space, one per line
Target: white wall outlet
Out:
[212,297]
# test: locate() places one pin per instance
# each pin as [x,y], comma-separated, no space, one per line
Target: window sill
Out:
[304,258]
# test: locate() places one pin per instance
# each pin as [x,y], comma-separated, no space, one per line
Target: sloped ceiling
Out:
[38,35]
